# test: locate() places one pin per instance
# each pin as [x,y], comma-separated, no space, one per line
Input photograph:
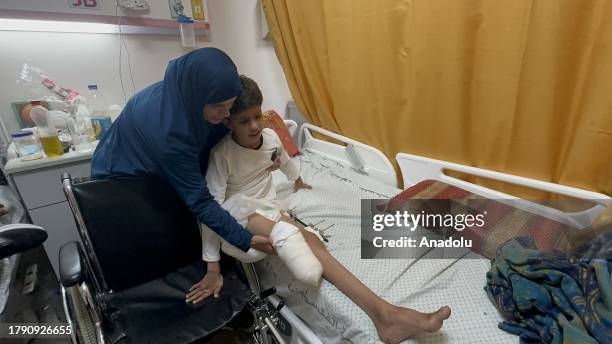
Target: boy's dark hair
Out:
[250,96]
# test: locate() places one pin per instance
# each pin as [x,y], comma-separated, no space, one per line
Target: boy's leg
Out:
[393,323]
[259,225]
[291,247]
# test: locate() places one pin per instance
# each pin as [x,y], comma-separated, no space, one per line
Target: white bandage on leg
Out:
[293,250]
[269,213]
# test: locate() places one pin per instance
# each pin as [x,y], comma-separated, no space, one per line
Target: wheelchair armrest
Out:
[20,237]
[5,244]
[72,269]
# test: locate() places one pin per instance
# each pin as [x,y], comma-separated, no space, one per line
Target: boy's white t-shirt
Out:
[233,169]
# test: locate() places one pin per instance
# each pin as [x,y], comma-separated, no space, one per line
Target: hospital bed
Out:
[343,171]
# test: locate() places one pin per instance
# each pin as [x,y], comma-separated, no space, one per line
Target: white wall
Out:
[236,29]
[75,60]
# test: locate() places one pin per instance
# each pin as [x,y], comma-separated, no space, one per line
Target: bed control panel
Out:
[354,158]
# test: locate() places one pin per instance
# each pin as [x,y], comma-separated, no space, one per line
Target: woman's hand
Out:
[299,184]
[211,284]
[263,244]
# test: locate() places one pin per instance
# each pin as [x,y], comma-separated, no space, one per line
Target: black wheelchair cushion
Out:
[156,312]
[140,229]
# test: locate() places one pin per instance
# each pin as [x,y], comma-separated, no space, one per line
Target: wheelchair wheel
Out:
[85,328]
[269,334]
[266,338]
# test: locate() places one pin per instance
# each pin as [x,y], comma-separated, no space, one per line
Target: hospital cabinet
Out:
[39,186]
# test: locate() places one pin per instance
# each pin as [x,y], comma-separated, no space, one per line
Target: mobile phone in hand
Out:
[274,154]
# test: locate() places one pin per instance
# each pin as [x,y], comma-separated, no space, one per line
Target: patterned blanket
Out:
[502,221]
[551,297]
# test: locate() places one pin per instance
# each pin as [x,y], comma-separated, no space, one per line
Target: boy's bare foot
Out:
[397,324]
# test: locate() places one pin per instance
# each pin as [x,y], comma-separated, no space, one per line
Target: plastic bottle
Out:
[186,26]
[95,101]
[83,123]
[99,120]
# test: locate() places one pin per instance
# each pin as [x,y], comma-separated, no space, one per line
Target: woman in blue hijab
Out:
[168,129]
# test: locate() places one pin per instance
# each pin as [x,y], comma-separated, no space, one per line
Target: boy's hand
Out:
[276,163]
[299,184]
[211,284]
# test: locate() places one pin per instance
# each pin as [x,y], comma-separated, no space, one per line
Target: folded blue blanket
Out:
[553,297]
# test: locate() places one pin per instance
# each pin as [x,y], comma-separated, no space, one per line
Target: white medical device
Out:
[134,5]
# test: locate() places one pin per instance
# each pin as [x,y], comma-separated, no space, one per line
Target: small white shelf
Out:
[129,25]
[16,165]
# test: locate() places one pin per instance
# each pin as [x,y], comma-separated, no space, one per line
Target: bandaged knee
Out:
[294,251]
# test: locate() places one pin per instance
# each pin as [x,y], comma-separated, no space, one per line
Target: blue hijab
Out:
[162,133]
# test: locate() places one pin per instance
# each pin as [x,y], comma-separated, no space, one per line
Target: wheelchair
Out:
[140,252]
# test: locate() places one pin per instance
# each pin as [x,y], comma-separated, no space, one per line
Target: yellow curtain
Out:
[517,86]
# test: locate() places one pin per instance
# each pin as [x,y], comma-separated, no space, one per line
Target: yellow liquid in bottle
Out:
[52,146]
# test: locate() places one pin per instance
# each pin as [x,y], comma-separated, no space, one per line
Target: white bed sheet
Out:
[423,284]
